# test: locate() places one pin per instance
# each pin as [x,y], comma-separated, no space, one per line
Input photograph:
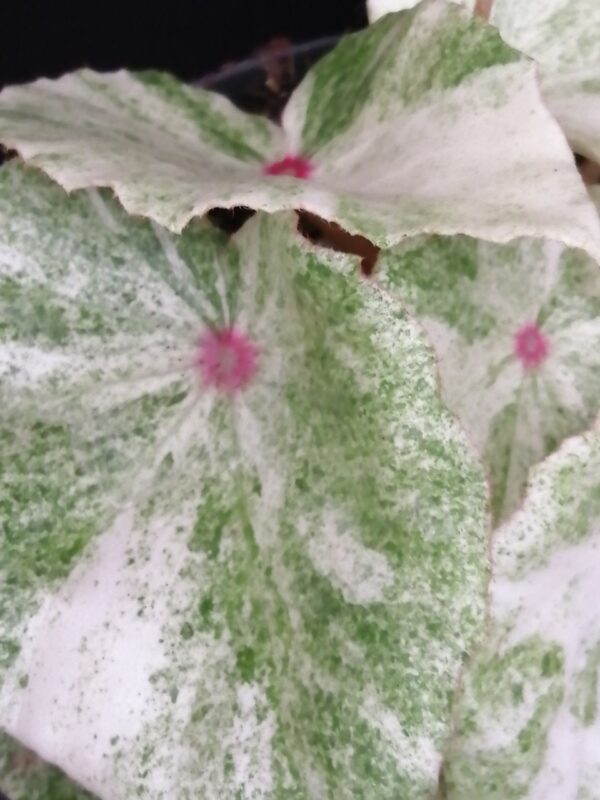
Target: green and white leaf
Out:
[265,596]
[169,151]
[563,37]
[528,720]
[425,122]
[472,298]
[23,776]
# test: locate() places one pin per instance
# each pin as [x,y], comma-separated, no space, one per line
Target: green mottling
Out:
[525,694]
[229,500]
[41,314]
[147,754]
[334,101]
[245,661]
[501,445]
[41,309]
[576,279]
[30,314]
[248,597]
[9,650]
[559,34]
[212,515]
[40,546]
[591,86]
[214,126]
[202,249]
[167,463]
[187,631]
[228,765]
[517,693]
[577,501]
[394,63]
[205,608]
[505,772]
[585,702]
[170,150]
[51,480]
[434,274]
[552,663]
[464,49]
[472,298]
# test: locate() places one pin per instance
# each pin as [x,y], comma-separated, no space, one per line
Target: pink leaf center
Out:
[531,346]
[296,166]
[227,359]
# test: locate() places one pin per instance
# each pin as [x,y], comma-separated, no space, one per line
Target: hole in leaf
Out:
[6,154]
[333,236]
[230,220]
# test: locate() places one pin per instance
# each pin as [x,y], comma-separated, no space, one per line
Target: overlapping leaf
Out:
[528,721]
[424,122]
[562,36]
[516,329]
[264,595]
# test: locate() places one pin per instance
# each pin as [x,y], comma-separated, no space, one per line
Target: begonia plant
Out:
[273,528]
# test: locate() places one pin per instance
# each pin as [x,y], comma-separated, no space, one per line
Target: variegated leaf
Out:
[24,777]
[516,329]
[260,593]
[424,122]
[528,724]
[564,38]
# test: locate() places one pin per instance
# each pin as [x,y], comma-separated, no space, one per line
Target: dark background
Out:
[44,38]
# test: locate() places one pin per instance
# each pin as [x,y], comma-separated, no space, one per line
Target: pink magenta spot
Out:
[227,359]
[296,166]
[531,346]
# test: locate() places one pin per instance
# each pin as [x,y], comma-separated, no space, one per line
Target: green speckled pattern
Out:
[472,298]
[425,122]
[269,596]
[438,45]
[167,150]
[528,720]
[25,777]
[563,37]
